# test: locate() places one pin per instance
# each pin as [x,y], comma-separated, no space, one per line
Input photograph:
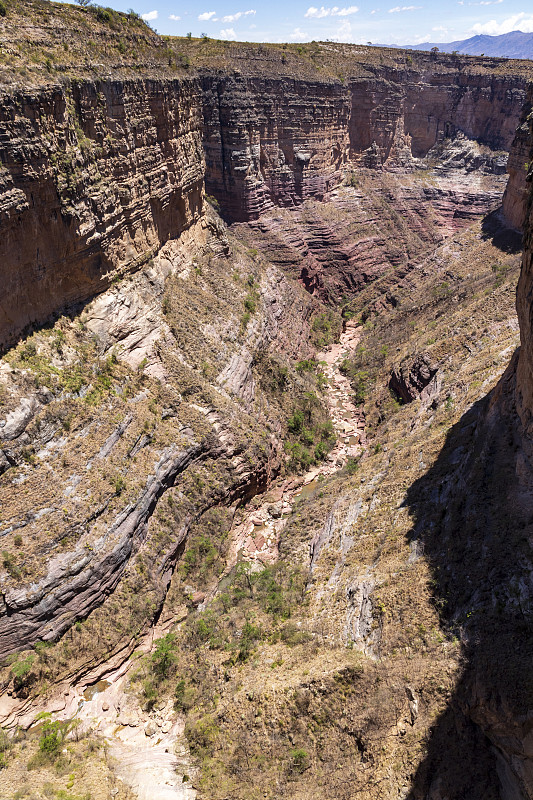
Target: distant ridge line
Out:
[507,45]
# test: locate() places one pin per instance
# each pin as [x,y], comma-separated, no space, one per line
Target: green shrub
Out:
[213,202]
[201,734]
[5,745]
[3,9]
[326,328]
[10,565]
[292,635]
[163,656]
[299,760]
[184,696]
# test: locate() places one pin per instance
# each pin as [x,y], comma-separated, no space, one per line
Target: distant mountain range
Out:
[510,45]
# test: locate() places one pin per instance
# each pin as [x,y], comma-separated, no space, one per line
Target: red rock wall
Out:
[272,142]
[277,142]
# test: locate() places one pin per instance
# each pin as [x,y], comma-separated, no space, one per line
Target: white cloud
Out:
[440,29]
[335,11]
[397,9]
[375,10]
[238,15]
[206,16]
[521,21]
[151,15]
[344,32]
[228,33]
[174,18]
[487,3]
[298,35]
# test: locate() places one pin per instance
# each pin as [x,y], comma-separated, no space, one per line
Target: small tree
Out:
[163,656]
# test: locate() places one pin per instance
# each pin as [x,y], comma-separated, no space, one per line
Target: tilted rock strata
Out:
[383,221]
[91,487]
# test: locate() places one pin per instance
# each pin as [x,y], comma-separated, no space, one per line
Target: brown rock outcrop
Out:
[415,379]
[380,222]
[518,166]
[95,178]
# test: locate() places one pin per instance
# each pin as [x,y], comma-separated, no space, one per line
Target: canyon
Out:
[264,430]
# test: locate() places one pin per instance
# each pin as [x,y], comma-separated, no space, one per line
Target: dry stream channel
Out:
[148,749]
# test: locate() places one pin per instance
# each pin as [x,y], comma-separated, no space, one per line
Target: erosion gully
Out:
[148,749]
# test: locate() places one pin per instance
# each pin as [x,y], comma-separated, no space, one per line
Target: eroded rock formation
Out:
[96,176]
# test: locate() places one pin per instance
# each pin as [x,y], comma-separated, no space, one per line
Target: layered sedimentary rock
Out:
[379,222]
[97,454]
[277,142]
[273,142]
[95,178]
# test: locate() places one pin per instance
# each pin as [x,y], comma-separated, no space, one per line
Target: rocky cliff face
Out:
[95,178]
[273,142]
[278,142]
[518,165]
[524,147]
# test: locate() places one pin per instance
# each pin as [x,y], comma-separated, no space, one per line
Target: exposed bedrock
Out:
[518,166]
[273,142]
[524,294]
[101,460]
[379,222]
[277,142]
[94,178]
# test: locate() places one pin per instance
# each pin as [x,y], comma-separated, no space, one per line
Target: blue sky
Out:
[376,21]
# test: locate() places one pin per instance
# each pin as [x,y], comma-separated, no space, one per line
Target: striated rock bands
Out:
[96,176]
[272,142]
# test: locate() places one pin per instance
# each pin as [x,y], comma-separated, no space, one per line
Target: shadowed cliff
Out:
[473,514]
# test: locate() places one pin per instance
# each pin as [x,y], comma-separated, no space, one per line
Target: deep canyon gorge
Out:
[266,403]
